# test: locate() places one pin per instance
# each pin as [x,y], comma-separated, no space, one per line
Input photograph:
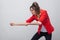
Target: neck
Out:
[38,16]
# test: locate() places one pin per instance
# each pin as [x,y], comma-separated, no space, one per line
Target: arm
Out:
[28,22]
[25,24]
[19,24]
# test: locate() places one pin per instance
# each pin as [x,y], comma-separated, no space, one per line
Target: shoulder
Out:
[43,10]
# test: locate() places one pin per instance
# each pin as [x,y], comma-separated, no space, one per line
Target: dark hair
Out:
[36,7]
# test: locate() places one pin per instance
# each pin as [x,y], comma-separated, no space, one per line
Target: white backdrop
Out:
[18,11]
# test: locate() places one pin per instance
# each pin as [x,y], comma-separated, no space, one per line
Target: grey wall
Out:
[18,11]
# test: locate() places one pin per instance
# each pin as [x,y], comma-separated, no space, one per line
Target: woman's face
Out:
[32,11]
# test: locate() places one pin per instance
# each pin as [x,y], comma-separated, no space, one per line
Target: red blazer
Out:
[44,18]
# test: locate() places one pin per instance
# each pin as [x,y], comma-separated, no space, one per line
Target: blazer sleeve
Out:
[29,20]
[43,16]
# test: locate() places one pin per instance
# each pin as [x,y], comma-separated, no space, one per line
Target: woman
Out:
[45,28]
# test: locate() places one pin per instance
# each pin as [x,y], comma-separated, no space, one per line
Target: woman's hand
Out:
[39,22]
[12,24]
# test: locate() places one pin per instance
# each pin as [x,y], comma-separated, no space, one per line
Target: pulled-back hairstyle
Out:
[35,7]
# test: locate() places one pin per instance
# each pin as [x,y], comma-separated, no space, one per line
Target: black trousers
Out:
[37,36]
